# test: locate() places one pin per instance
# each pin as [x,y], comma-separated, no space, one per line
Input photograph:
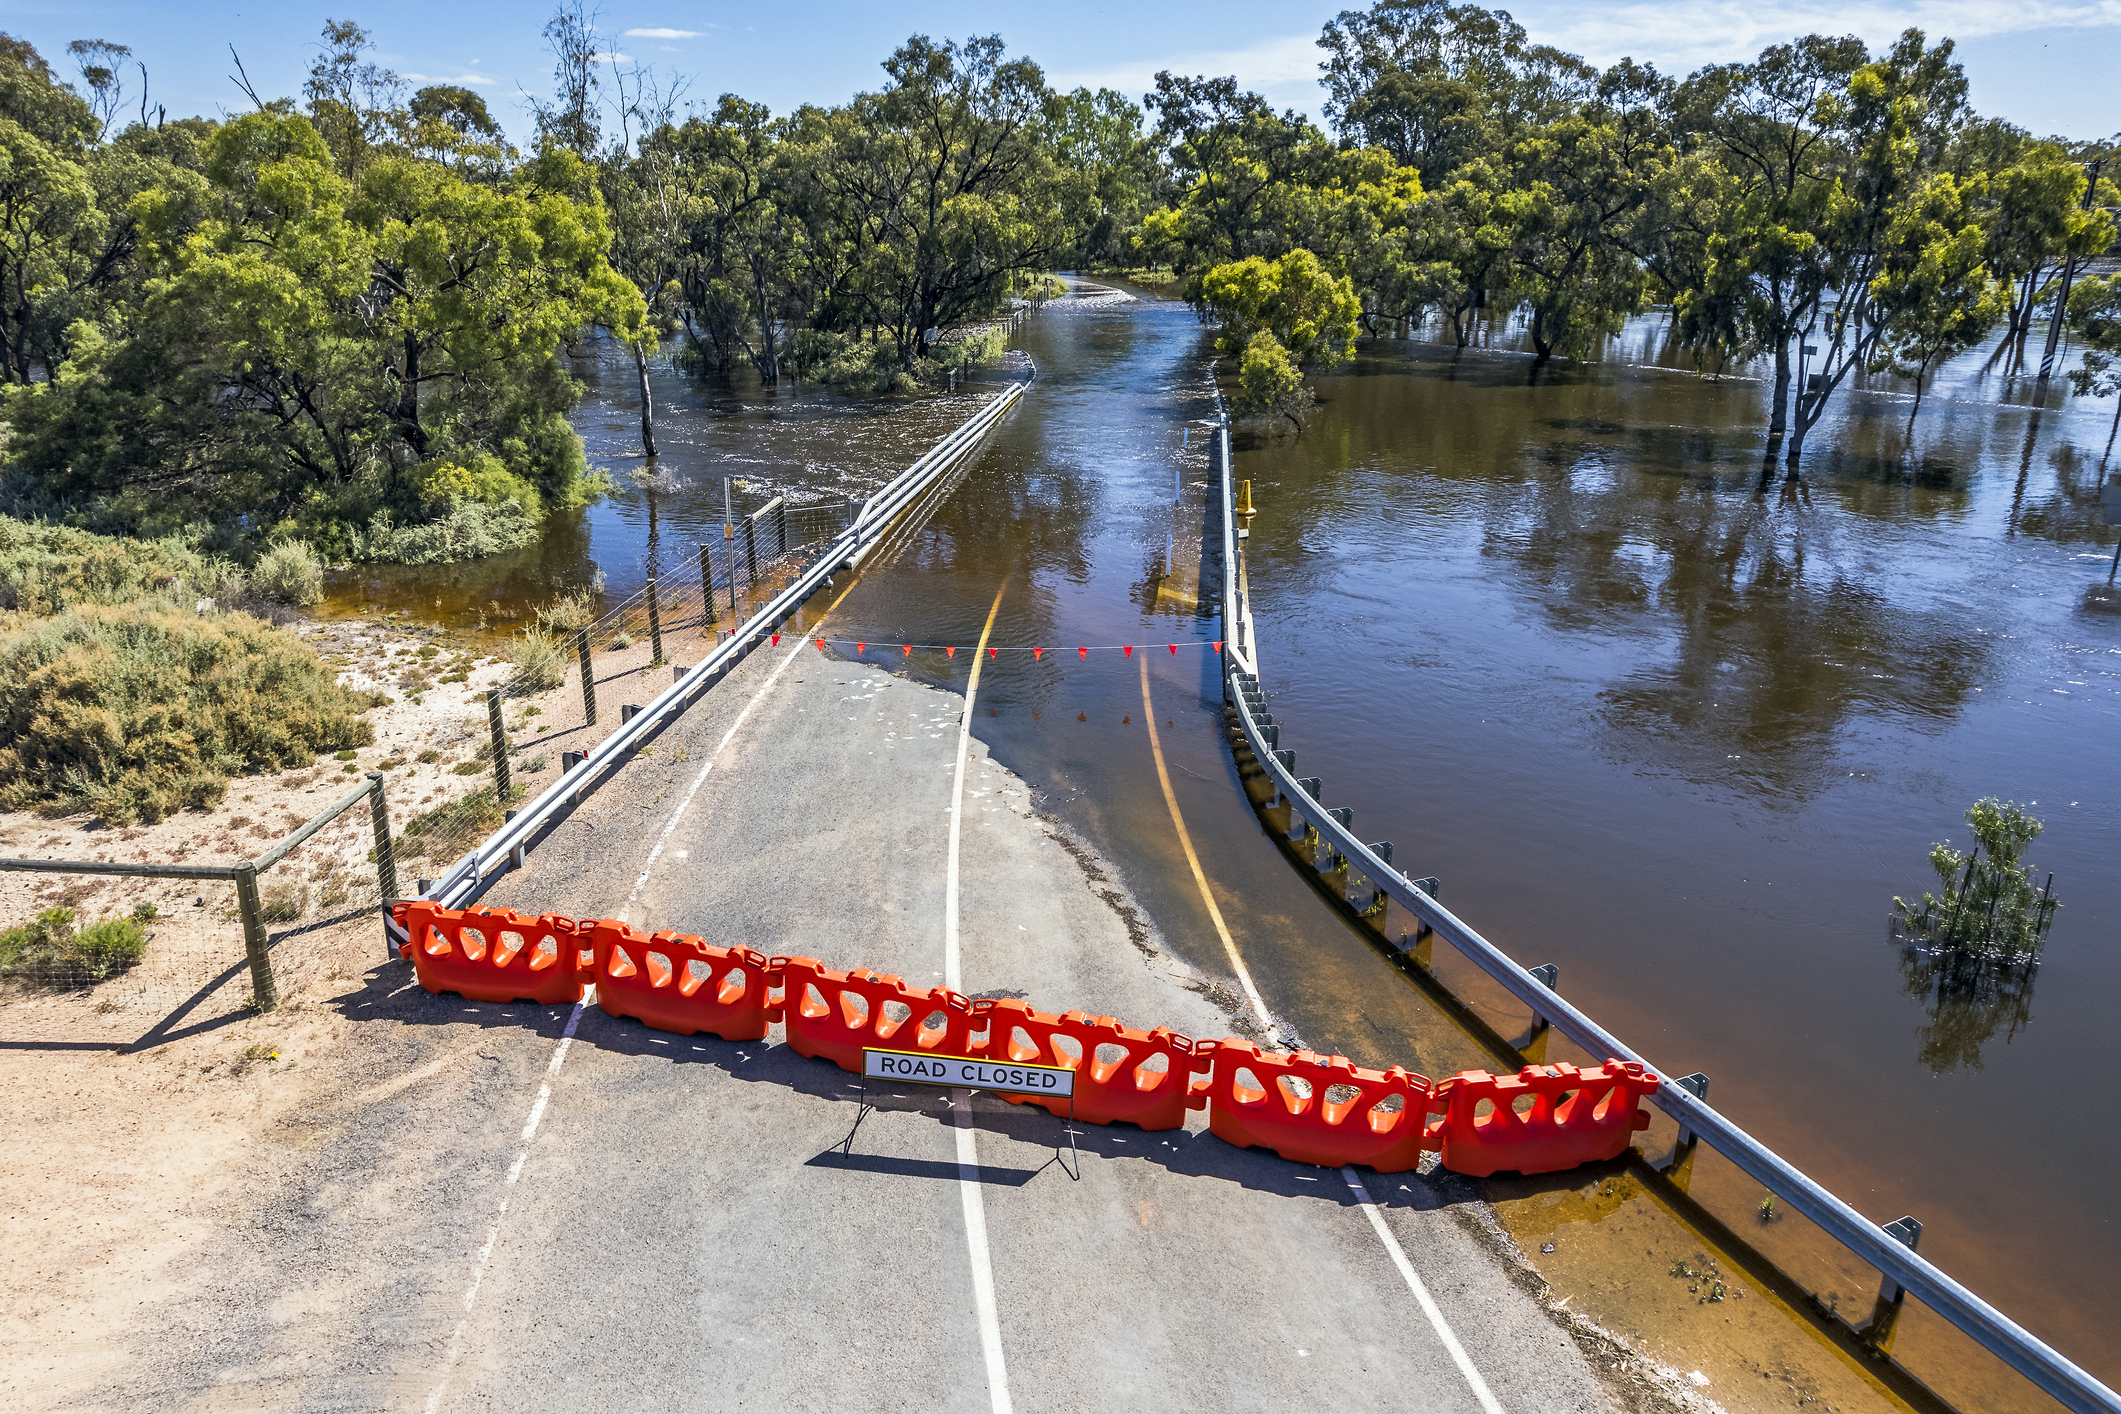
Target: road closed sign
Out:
[918,1068]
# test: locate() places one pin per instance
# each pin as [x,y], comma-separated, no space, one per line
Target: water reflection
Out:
[1967,999]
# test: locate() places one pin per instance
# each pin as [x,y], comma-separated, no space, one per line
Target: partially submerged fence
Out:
[244,874]
[688,614]
[1890,1249]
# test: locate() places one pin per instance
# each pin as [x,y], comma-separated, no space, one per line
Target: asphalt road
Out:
[670,1222]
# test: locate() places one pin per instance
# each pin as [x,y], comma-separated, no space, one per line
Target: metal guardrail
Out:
[264,990]
[2017,1347]
[507,845]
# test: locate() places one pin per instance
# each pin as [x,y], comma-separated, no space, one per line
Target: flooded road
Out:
[1681,737]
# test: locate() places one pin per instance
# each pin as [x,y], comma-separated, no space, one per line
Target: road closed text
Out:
[921,1069]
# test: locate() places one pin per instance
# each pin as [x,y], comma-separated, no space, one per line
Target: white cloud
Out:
[1676,35]
[1681,35]
[1284,68]
[614,57]
[662,34]
[447,78]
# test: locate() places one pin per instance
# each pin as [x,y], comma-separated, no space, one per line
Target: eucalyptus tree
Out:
[942,186]
[1899,115]
[1231,158]
[353,101]
[1585,202]
[1774,126]
[1099,142]
[2035,220]
[1438,85]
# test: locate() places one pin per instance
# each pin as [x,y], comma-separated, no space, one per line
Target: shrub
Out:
[46,568]
[1267,380]
[468,530]
[47,950]
[289,572]
[283,901]
[570,613]
[139,711]
[959,352]
[540,663]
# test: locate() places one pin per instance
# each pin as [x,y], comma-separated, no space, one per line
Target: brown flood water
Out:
[1683,738]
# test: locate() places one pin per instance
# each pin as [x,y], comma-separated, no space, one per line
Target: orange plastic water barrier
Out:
[1316,1109]
[1146,1078]
[495,954]
[678,983]
[836,1014]
[1542,1119]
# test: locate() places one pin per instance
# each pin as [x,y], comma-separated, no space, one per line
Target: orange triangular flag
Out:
[1174,649]
[860,647]
[949,652]
[1037,653]
[776,640]
[991,652]
[905,650]
[1130,650]
[1082,652]
[1218,645]
[821,645]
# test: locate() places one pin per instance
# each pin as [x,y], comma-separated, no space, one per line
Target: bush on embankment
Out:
[135,711]
[48,950]
[45,568]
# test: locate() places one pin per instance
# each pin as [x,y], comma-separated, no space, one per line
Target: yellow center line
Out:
[1207,895]
[951,971]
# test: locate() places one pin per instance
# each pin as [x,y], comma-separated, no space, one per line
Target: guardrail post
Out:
[1904,1230]
[655,625]
[379,821]
[500,745]
[751,552]
[589,682]
[264,994]
[707,585]
[1696,1085]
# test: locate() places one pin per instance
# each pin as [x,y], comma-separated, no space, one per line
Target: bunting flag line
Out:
[1038,651]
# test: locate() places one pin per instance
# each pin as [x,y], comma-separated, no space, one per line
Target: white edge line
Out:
[1429,1308]
[974,1201]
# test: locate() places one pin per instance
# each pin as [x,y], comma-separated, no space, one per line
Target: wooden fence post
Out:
[264,995]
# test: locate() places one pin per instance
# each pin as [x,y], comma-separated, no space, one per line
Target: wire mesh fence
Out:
[97,918]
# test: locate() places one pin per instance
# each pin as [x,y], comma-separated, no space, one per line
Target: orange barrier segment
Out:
[836,1014]
[1143,1077]
[1542,1119]
[678,983]
[1314,1109]
[495,954]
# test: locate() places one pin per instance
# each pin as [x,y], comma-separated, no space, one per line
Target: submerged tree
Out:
[1970,955]
[1990,908]
[2095,317]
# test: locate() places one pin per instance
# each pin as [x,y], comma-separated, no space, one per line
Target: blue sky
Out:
[2048,64]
